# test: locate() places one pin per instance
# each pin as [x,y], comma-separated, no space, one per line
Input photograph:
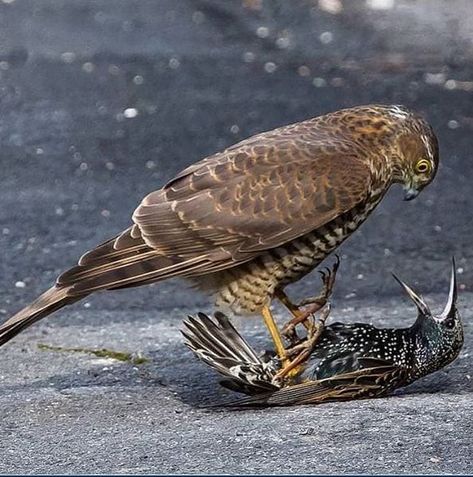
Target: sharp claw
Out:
[289,332]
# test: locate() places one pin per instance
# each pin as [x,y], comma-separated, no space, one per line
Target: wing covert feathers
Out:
[225,211]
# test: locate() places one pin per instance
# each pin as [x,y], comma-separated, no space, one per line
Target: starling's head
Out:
[439,337]
[417,152]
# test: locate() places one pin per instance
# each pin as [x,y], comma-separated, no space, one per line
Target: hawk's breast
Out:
[245,289]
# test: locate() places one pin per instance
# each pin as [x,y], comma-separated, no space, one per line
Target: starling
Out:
[244,223]
[349,361]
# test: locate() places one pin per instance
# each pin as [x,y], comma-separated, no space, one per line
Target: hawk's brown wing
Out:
[226,209]
[375,380]
[252,199]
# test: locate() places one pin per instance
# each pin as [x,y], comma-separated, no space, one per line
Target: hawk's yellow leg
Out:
[288,368]
[275,334]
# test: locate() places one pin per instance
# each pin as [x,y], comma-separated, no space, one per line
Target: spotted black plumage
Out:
[349,361]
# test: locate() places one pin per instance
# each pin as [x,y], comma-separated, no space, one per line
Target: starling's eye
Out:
[423,166]
[449,322]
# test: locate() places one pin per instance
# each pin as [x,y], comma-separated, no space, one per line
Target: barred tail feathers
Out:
[50,301]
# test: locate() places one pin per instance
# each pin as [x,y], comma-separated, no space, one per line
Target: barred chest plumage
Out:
[247,288]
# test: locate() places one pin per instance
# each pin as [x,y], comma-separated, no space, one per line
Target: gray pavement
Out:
[73,412]
[100,103]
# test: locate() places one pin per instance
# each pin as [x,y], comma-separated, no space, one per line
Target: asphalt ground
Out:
[103,102]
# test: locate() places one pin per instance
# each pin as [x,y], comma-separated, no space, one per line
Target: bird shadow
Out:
[172,368]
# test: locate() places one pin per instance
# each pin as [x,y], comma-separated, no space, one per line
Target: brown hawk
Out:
[245,222]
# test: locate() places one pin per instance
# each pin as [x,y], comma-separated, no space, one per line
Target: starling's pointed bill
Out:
[450,307]
[417,299]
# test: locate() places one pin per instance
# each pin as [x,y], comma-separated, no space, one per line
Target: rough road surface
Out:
[101,102]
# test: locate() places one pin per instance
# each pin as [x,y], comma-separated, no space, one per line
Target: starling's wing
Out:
[375,380]
[228,208]
[220,346]
[217,339]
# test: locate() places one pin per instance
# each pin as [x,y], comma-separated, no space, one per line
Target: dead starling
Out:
[349,361]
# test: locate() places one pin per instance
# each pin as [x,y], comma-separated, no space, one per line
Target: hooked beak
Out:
[417,299]
[410,192]
[450,307]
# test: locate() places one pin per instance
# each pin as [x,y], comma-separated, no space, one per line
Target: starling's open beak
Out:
[410,192]
[417,299]
[450,307]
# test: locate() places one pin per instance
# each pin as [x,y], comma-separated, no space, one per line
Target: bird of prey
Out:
[350,361]
[244,223]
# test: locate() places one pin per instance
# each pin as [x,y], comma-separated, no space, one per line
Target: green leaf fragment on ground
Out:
[100,353]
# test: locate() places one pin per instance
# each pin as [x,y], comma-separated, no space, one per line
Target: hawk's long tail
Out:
[219,345]
[50,301]
[123,262]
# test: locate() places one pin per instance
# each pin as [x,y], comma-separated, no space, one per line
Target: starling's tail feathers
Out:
[50,301]
[220,346]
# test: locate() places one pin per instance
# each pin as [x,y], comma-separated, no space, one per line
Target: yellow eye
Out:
[423,166]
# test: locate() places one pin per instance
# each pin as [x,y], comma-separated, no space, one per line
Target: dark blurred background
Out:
[102,102]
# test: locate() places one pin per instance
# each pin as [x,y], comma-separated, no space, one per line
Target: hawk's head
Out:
[418,151]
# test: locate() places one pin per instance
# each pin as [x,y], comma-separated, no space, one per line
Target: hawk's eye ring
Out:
[423,166]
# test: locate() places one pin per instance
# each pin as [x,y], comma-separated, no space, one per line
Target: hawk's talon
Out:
[305,309]
[304,349]
[312,300]
[289,332]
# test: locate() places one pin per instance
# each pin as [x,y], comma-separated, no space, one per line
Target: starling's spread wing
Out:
[226,209]
[219,345]
[377,379]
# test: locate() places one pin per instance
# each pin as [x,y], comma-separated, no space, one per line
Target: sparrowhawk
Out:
[245,222]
